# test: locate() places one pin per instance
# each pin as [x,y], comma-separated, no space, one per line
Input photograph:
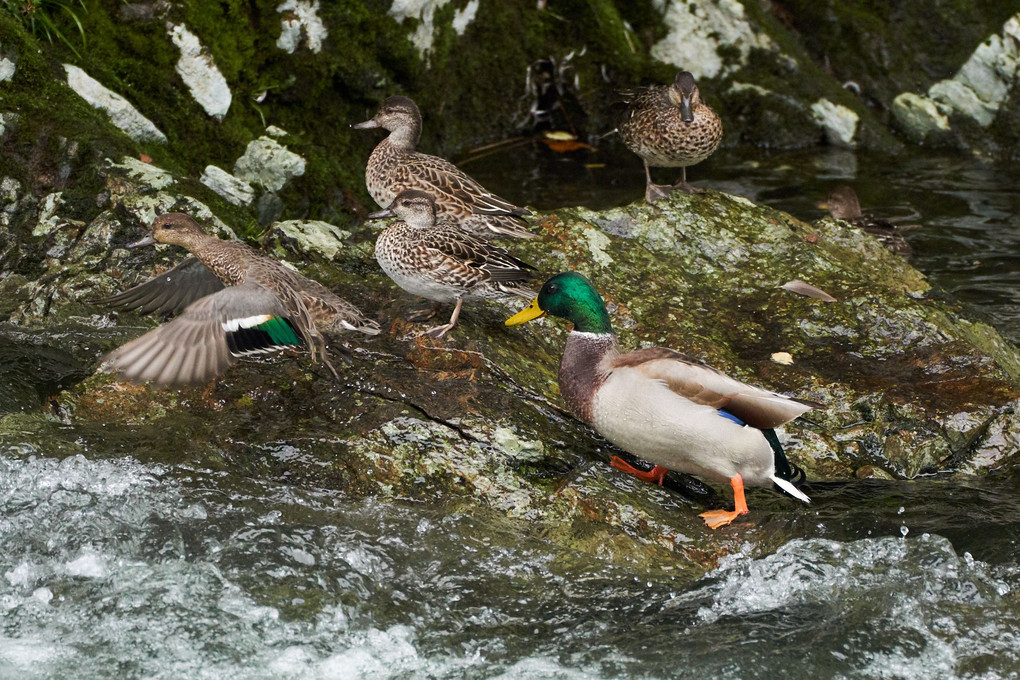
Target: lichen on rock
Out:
[269,164]
[121,112]
[199,72]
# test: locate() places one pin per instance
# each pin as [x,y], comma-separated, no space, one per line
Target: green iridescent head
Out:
[569,296]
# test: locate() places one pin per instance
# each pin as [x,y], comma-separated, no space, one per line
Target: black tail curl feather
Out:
[784,468]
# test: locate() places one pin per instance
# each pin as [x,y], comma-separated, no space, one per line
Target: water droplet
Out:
[904,531]
[900,511]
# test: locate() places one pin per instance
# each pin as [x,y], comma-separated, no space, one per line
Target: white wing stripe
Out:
[232,325]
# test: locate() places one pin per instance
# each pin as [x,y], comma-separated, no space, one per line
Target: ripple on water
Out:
[872,608]
[115,568]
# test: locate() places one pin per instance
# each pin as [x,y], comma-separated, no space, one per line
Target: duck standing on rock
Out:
[670,127]
[395,166]
[235,302]
[843,204]
[441,262]
[665,407]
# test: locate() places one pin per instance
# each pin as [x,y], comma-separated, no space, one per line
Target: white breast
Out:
[647,419]
[411,279]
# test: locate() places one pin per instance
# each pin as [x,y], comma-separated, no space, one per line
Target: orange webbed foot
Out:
[655,475]
[720,518]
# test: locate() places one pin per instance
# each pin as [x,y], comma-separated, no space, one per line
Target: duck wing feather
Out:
[454,249]
[705,385]
[435,174]
[193,348]
[171,291]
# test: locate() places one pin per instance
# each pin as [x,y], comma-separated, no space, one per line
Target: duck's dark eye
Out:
[553,287]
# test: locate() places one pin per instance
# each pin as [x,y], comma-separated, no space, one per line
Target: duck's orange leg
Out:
[720,518]
[655,475]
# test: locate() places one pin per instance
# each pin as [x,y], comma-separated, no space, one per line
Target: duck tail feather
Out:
[790,489]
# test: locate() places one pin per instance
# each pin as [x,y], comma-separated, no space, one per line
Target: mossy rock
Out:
[475,421]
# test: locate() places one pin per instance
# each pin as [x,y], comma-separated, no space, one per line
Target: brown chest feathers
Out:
[582,370]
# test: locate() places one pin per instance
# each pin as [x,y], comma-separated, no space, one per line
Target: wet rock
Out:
[919,117]
[986,80]
[311,236]
[476,420]
[8,64]
[7,121]
[982,86]
[839,122]
[424,11]
[710,38]
[145,174]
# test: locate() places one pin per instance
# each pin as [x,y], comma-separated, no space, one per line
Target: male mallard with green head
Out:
[664,407]
[235,302]
[670,127]
[395,166]
[441,262]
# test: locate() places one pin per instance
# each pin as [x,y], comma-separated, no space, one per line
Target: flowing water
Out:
[118,565]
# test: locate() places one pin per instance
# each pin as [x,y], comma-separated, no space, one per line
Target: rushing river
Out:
[114,565]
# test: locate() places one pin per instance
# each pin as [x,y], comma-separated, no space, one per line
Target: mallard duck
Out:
[441,262]
[665,407]
[843,204]
[669,126]
[233,301]
[395,166]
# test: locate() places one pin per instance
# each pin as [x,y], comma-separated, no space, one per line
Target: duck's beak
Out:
[529,313]
[380,214]
[686,112]
[144,241]
[367,125]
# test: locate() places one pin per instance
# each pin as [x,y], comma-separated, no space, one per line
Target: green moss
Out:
[888,48]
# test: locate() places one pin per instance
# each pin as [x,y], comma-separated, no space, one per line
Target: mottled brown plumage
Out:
[441,262]
[844,205]
[396,166]
[226,291]
[669,126]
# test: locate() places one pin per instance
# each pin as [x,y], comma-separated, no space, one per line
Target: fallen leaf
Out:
[807,290]
[784,358]
[145,158]
[811,238]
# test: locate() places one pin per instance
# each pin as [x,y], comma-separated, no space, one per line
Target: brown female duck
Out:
[235,302]
[395,166]
[843,204]
[442,263]
[670,127]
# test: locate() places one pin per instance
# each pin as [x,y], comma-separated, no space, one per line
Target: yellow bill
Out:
[529,313]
